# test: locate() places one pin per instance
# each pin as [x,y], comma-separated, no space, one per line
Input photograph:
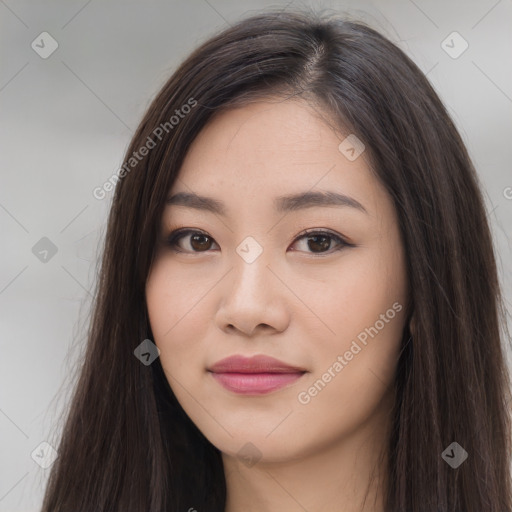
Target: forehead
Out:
[289,130]
[271,148]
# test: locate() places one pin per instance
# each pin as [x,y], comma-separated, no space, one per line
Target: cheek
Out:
[173,306]
[364,307]
[353,296]
[353,374]
[172,297]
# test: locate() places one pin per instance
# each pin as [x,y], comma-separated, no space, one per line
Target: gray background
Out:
[67,120]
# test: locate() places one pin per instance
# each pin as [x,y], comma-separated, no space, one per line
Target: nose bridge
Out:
[250,273]
[250,297]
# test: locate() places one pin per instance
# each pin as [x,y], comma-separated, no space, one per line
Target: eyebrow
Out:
[286,203]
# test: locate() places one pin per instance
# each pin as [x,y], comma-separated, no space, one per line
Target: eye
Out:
[314,241]
[190,240]
[320,242]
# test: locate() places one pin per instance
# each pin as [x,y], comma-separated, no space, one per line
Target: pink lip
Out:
[254,375]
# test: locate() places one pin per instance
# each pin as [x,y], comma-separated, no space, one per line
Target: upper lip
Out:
[254,364]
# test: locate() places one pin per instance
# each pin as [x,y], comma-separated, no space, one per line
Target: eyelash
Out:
[177,234]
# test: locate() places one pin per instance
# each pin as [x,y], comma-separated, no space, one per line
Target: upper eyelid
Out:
[303,232]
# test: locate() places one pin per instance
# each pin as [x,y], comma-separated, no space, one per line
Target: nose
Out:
[253,300]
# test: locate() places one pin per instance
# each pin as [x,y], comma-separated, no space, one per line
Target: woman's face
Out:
[245,278]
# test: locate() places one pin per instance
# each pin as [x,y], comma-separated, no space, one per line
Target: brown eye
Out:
[313,242]
[320,242]
[190,241]
[200,242]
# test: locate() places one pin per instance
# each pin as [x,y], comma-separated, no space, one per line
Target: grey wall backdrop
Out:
[75,79]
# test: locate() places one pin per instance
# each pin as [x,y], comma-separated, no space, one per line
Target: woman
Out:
[298,307]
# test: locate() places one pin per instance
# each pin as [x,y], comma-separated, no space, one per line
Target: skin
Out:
[294,302]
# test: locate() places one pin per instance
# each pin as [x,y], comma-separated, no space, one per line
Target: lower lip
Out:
[255,383]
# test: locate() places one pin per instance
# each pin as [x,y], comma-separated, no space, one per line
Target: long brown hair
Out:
[127,444]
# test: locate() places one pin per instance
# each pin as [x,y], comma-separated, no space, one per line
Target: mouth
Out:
[256,375]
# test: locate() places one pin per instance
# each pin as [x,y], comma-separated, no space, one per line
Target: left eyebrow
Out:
[286,203]
[312,199]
